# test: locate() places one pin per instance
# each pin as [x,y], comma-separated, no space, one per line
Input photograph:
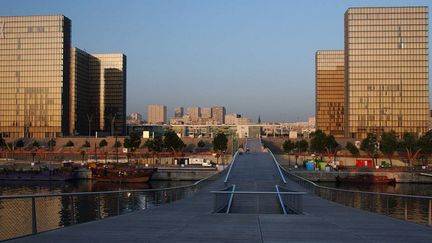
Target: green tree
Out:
[83,153]
[103,143]
[133,141]
[389,144]
[117,144]
[302,146]
[201,144]
[371,146]
[51,143]
[425,144]
[220,142]
[353,149]
[86,144]
[409,147]
[70,144]
[35,144]
[317,142]
[19,143]
[172,142]
[288,146]
[2,142]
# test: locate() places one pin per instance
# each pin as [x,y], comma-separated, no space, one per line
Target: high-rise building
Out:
[97,93]
[157,114]
[329,98]
[135,116]
[194,113]
[206,112]
[178,112]
[231,119]
[34,76]
[386,70]
[108,80]
[218,114]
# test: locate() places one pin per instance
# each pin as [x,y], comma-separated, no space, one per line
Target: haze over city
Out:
[205,53]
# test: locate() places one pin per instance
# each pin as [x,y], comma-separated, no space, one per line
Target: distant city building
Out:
[231,119]
[386,70]
[312,121]
[178,112]
[218,114]
[206,112]
[194,114]
[329,99]
[34,76]
[135,116]
[157,114]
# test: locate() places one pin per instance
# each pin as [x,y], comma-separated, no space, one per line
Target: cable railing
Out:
[22,215]
[230,167]
[413,208]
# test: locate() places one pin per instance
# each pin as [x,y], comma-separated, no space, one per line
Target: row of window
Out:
[383,16]
[31,46]
[394,51]
[376,59]
[388,39]
[398,28]
[388,69]
[24,63]
[37,81]
[31,40]
[32,29]
[38,51]
[53,97]
[385,34]
[387,10]
[22,58]
[420,20]
[33,35]
[388,76]
[35,73]
[379,97]
[395,45]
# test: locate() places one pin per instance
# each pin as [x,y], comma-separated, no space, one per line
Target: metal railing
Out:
[230,166]
[225,198]
[22,215]
[277,166]
[414,208]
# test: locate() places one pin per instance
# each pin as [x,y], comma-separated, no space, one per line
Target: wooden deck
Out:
[254,220]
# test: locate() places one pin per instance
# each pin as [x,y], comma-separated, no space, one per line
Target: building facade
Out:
[206,112]
[178,112]
[329,86]
[34,76]
[194,113]
[157,114]
[386,70]
[218,114]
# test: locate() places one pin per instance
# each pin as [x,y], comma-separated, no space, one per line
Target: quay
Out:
[251,219]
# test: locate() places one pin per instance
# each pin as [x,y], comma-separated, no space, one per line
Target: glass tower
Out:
[329,103]
[386,70]
[34,76]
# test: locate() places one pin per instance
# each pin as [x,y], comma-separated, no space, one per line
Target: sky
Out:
[254,57]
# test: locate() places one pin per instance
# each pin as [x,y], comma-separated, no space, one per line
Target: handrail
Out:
[258,192]
[278,166]
[282,204]
[231,165]
[107,192]
[230,200]
[357,191]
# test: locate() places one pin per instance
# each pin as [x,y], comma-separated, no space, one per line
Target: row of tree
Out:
[409,147]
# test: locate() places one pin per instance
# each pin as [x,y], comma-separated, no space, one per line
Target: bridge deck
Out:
[191,220]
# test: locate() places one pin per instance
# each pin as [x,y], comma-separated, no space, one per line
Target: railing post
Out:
[387,205]
[406,209]
[430,213]
[98,210]
[118,203]
[34,219]
[73,218]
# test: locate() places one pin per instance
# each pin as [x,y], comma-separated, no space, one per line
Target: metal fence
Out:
[23,215]
[417,209]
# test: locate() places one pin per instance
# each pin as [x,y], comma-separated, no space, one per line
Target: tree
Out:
[220,142]
[201,144]
[409,146]
[389,144]
[172,142]
[86,144]
[51,143]
[288,146]
[19,143]
[103,143]
[117,144]
[371,146]
[2,142]
[35,144]
[353,149]
[133,141]
[425,144]
[83,153]
[317,142]
[302,146]
[70,144]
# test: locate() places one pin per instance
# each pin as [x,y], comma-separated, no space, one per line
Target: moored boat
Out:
[366,179]
[121,173]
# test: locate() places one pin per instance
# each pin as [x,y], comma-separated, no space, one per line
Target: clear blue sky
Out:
[253,57]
